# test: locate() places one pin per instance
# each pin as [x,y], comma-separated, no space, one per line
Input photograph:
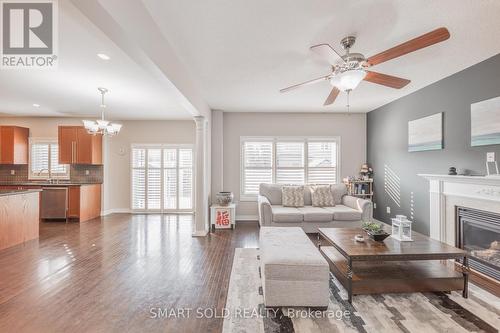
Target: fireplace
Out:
[478,232]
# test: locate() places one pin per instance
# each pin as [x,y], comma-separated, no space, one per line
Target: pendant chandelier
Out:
[102,126]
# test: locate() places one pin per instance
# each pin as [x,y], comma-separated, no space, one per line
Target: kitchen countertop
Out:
[35,183]
[16,192]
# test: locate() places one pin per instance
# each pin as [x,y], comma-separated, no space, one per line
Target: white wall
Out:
[116,150]
[41,127]
[350,127]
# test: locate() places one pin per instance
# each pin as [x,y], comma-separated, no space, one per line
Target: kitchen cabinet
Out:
[84,202]
[19,217]
[14,145]
[76,146]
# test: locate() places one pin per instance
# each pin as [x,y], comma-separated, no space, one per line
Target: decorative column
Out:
[200,225]
[437,208]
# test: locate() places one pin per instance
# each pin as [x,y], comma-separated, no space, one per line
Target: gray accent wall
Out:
[395,169]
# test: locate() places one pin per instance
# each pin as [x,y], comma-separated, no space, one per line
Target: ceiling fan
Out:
[350,69]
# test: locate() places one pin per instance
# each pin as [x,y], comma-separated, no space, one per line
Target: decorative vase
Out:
[224,198]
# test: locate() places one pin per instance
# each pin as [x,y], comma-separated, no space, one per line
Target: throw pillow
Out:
[293,196]
[322,196]
[338,191]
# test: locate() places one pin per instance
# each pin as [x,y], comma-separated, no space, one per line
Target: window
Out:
[162,178]
[44,160]
[287,161]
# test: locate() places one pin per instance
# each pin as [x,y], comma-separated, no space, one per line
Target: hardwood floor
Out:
[111,274]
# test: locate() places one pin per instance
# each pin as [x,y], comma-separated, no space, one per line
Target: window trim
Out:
[161,146]
[50,141]
[274,139]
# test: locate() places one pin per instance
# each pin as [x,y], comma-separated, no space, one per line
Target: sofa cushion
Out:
[292,196]
[286,214]
[344,213]
[338,191]
[272,192]
[316,214]
[322,196]
[307,195]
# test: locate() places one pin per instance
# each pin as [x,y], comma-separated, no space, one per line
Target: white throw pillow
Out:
[293,196]
[321,196]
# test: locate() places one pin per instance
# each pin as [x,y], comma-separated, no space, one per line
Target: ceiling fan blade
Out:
[327,52]
[332,97]
[428,39]
[295,86]
[386,80]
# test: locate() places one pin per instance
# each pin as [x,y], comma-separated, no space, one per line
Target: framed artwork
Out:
[426,133]
[485,122]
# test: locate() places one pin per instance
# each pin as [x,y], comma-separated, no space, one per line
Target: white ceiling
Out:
[71,90]
[242,52]
[239,53]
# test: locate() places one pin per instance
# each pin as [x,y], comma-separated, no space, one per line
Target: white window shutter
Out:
[322,162]
[39,158]
[290,163]
[258,164]
[162,178]
[44,156]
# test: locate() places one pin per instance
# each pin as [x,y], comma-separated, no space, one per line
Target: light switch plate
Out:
[388,210]
[87,172]
[490,157]
[12,172]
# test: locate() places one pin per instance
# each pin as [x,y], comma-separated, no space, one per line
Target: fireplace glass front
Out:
[478,233]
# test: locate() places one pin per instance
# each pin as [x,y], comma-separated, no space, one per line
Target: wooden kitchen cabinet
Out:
[76,146]
[74,202]
[14,145]
[66,140]
[84,202]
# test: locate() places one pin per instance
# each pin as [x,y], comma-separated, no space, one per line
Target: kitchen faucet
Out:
[49,179]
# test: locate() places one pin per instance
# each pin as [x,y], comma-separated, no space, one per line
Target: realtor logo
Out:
[29,36]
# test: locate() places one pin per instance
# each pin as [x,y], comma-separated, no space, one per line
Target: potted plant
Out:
[375,231]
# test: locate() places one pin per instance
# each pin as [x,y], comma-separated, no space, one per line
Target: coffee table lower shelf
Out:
[373,277]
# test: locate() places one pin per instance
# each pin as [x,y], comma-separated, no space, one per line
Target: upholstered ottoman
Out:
[293,271]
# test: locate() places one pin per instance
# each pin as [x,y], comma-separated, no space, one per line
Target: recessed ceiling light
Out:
[103,56]
[36,105]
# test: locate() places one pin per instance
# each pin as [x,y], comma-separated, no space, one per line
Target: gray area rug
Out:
[416,312]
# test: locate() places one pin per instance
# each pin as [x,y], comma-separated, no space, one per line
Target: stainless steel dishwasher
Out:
[54,203]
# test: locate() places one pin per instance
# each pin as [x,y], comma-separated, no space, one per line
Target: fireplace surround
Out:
[447,193]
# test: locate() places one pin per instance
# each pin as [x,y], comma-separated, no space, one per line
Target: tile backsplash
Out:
[20,173]
[78,173]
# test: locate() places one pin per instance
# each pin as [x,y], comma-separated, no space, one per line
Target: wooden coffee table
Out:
[391,266]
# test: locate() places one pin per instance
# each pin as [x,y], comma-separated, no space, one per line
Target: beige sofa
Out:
[348,211]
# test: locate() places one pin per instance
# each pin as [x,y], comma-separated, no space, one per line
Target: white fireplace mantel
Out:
[477,192]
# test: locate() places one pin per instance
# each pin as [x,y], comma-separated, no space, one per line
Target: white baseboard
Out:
[201,233]
[115,211]
[246,218]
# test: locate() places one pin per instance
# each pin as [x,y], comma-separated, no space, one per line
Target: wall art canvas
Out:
[426,133]
[485,122]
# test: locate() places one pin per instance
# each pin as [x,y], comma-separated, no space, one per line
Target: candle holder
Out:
[401,229]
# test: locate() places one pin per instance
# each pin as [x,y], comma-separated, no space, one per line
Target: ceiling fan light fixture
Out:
[348,80]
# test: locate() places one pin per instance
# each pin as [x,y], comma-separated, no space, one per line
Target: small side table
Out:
[223,217]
